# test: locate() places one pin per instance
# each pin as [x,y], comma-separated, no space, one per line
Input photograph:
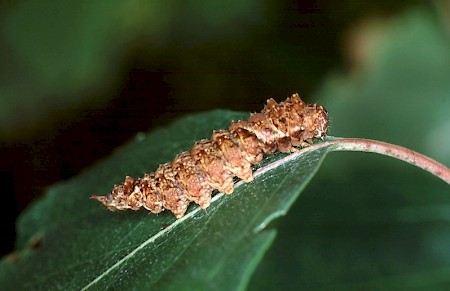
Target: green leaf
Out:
[67,241]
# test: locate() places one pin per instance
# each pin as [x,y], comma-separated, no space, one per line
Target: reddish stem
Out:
[395,151]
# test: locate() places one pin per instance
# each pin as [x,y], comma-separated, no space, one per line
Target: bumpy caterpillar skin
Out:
[212,163]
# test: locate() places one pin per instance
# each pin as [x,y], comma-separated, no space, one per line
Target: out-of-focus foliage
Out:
[367,222]
[61,56]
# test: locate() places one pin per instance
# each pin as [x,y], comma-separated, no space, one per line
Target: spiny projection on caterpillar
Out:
[213,163]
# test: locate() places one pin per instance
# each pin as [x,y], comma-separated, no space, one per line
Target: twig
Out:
[395,151]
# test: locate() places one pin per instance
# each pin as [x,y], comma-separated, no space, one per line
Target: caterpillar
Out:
[213,163]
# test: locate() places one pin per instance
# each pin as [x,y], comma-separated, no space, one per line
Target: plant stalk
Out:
[373,146]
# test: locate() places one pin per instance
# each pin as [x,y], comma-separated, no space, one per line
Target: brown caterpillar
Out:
[212,163]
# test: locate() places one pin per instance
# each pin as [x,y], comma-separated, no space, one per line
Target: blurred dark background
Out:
[78,79]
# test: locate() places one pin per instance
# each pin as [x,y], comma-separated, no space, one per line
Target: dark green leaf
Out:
[68,241]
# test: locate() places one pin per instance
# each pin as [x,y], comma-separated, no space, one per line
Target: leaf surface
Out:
[68,241]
